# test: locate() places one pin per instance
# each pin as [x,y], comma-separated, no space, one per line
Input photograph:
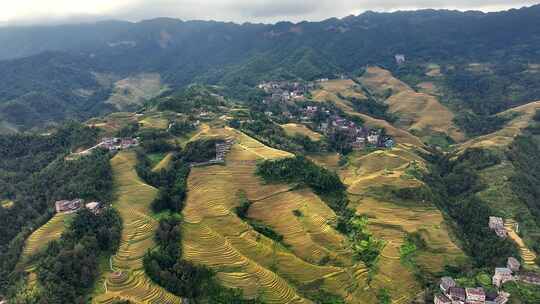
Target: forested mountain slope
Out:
[182,52]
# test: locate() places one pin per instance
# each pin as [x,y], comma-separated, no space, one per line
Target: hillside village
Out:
[323,119]
[222,149]
[332,124]
[112,144]
[451,293]
[72,206]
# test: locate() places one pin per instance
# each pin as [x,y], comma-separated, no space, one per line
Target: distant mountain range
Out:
[70,71]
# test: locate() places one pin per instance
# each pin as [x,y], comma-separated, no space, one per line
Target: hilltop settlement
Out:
[289,101]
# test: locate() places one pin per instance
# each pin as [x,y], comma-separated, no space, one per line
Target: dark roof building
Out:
[475,295]
[442,299]
[457,294]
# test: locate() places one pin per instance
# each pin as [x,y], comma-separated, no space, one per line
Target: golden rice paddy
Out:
[165,163]
[133,204]
[522,117]
[243,258]
[155,121]
[418,112]
[391,220]
[292,129]
[330,94]
[383,167]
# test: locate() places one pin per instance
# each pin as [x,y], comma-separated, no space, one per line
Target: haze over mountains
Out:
[182,52]
[348,161]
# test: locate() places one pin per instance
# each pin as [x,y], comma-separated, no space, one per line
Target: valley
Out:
[370,159]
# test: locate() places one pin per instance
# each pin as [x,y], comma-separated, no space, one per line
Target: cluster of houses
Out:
[511,273]
[222,149]
[115,143]
[359,137]
[285,90]
[497,224]
[71,206]
[112,144]
[452,294]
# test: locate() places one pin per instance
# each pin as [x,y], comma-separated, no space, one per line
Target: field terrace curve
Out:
[133,199]
[215,236]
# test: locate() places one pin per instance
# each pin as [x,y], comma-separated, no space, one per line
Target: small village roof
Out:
[447,282]
[513,262]
[93,205]
[530,276]
[491,295]
[475,292]
[503,271]
[457,293]
[443,299]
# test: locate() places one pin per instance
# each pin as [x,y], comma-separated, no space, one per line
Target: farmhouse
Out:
[68,206]
[446,284]
[94,207]
[501,276]
[475,295]
[222,148]
[513,264]
[115,144]
[457,294]
[497,224]
[529,277]
[442,299]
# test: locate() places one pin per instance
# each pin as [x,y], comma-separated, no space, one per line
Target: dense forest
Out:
[68,268]
[307,50]
[523,154]
[34,174]
[453,183]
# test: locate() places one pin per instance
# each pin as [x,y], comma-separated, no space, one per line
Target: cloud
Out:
[39,11]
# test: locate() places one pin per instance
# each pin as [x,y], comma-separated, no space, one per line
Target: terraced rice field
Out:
[527,255]
[502,138]
[330,93]
[133,204]
[383,167]
[113,122]
[420,112]
[156,121]
[51,231]
[293,129]
[164,163]
[243,258]
[346,87]
[329,161]
[133,91]
[38,240]
[390,221]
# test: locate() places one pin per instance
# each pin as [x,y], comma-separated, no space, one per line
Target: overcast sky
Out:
[62,11]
